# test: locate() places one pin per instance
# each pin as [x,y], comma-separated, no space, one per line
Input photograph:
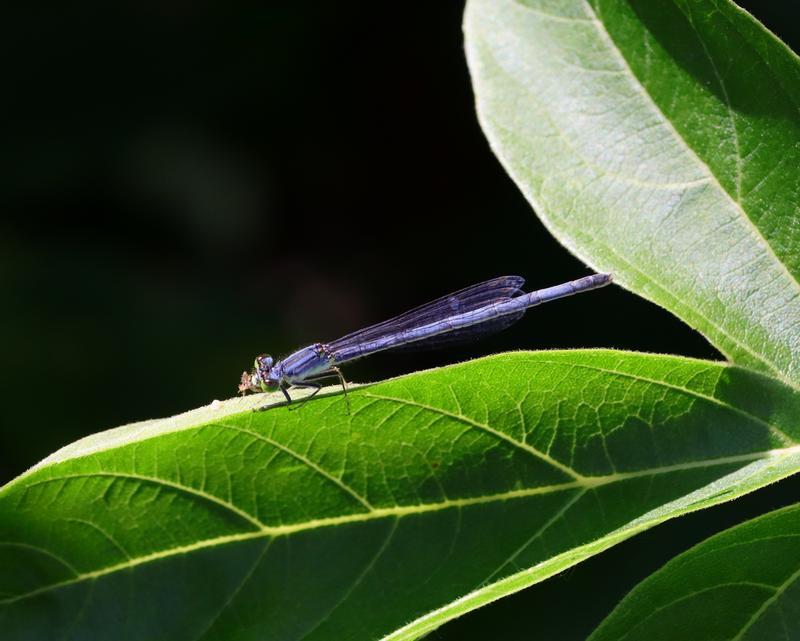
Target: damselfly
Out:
[479,310]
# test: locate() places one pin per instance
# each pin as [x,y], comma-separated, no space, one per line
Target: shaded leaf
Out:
[741,584]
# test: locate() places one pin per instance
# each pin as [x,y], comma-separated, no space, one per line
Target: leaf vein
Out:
[486,428]
[160,483]
[305,460]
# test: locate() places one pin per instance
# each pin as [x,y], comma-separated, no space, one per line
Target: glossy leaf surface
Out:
[659,141]
[443,490]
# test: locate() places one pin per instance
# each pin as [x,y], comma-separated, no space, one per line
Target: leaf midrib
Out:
[371,513]
[589,482]
[760,238]
[712,178]
[551,223]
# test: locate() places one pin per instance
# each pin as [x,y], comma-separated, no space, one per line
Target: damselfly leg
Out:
[311,383]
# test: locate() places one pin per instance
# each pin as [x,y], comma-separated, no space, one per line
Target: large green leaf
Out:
[443,490]
[742,584]
[659,141]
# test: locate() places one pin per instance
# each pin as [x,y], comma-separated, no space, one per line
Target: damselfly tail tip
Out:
[595,281]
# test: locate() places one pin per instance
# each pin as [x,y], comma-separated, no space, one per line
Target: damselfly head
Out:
[261,378]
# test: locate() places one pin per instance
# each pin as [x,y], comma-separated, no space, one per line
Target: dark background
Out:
[190,184]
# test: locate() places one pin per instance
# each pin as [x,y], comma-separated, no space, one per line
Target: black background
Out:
[190,184]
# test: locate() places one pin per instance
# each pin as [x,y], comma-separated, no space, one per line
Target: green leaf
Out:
[742,584]
[442,491]
[659,141]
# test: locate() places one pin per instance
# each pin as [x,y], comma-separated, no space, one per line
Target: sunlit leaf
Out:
[659,141]
[441,491]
